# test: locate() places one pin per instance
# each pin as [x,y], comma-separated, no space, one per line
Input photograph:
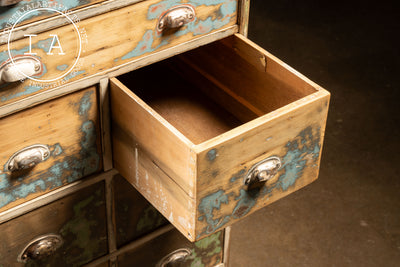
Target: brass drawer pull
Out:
[21,68]
[176,17]
[263,171]
[41,247]
[27,158]
[174,258]
[9,2]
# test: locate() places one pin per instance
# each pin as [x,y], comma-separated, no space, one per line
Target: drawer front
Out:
[77,219]
[9,12]
[48,146]
[248,132]
[107,41]
[134,215]
[206,252]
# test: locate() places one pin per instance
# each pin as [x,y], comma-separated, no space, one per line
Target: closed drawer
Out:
[103,43]
[236,130]
[48,146]
[173,249]
[77,221]
[134,215]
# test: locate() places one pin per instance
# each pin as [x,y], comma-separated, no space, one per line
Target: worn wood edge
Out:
[105,123]
[59,20]
[151,111]
[36,99]
[243,19]
[320,93]
[52,196]
[278,61]
[240,130]
[111,225]
[131,246]
[227,239]
[322,99]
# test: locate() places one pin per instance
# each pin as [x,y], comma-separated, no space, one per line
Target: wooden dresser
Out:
[135,132]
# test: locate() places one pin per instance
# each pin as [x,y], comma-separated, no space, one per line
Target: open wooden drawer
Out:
[216,133]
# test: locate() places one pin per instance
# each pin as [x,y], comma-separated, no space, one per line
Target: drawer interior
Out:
[208,91]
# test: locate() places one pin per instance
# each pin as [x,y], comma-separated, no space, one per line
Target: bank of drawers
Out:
[207,136]
[74,230]
[219,132]
[107,41]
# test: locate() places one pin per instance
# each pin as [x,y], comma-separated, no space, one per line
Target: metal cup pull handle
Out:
[27,157]
[41,247]
[8,2]
[263,171]
[176,17]
[174,258]
[21,68]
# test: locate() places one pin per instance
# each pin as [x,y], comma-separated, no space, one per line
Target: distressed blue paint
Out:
[89,139]
[302,152]
[4,56]
[73,75]
[206,208]
[245,202]
[238,176]
[67,169]
[212,154]
[156,10]
[85,104]
[9,14]
[27,90]
[4,183]
[62,67]
[295,160]
[27,189]
[57,150]
[144,46]
[198,27]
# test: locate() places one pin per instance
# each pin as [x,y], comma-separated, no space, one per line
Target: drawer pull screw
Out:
[263,171]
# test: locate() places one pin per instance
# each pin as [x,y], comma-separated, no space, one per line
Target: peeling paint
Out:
[225,12]
[301,152]
[8,13]
[206,252]
[62,67]
[64,170]
[212,154]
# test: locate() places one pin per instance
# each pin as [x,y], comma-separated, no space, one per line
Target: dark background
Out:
[351,215]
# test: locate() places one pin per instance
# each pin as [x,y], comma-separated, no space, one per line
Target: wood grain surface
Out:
[109,40]
[69,126]
[280,112]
